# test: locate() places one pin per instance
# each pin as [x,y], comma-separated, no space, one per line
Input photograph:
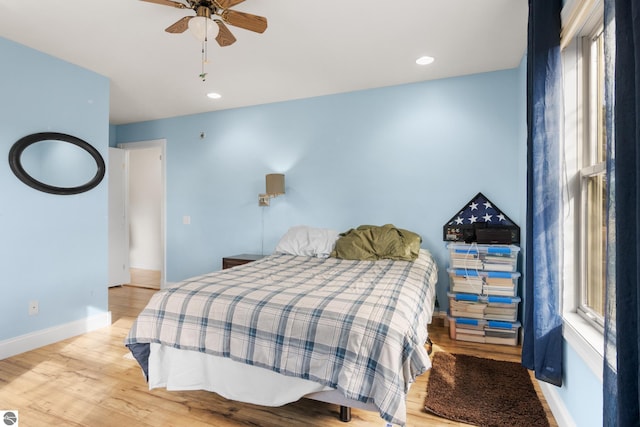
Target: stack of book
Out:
[471,284]
[467,329]
[498,263]
[466,260]
[501,283]
[483,257]
[483,307]
[466,308]
[483,301]
[483,282]
[484,331]
[502,308]
[503,333]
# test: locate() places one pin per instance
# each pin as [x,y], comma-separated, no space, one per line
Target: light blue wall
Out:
[581,391]
[410,155]
[53,249]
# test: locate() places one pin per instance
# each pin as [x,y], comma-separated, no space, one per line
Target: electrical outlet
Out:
[33,308]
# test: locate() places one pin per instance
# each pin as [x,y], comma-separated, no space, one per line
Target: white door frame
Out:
[155,143]
[119,270]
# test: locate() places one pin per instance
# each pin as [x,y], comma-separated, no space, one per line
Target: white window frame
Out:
[581,18]
[592,169]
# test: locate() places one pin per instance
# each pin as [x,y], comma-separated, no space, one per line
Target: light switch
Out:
[186,220]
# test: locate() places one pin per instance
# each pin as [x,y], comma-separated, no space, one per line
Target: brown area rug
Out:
[484,392]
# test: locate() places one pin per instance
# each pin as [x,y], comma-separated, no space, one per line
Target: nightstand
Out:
[235,260]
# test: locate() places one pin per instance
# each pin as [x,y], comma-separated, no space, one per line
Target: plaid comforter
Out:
[357,326]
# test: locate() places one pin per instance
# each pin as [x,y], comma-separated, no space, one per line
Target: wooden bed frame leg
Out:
[345,414]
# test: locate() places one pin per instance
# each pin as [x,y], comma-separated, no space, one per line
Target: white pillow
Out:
[302,240]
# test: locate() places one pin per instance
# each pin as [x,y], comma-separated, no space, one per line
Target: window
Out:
[593,186]
[585,187]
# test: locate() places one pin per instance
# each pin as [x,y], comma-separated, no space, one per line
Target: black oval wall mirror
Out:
[56,163]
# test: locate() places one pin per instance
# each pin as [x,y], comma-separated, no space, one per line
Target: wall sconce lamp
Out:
[275,187]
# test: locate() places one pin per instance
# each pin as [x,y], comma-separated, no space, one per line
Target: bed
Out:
[295,324]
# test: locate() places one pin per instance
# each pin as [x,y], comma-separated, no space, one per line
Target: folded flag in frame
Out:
[481,221]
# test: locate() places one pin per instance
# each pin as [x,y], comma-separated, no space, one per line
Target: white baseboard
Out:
[43,337]
[559,410]
[439,314]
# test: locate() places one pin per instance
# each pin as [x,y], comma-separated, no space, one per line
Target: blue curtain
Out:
[622,342]
[542,323]
[610,388]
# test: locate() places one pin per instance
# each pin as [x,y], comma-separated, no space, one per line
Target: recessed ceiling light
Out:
[425,60]
[214,95]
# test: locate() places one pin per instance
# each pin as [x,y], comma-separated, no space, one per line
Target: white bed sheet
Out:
[176,369]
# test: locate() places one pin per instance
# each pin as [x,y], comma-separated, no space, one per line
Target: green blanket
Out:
[371,242]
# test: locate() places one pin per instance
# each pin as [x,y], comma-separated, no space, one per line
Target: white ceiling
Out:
[310,48]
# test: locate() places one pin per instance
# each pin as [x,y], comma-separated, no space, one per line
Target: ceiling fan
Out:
[220,8]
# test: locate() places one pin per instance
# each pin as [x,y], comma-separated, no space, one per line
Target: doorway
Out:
[146,195]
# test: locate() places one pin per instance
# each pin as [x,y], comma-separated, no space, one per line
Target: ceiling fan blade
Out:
[224,37]
[167,3]
[245,20]
[226,4]
[180,26]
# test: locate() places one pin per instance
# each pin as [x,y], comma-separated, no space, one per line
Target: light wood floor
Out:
[88,381]
[145,278]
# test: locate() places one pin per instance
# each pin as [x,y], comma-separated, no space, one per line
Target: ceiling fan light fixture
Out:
[203,28]
[425,60]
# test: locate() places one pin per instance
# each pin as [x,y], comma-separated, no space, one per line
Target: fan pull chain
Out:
[205,60]
[203,75]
